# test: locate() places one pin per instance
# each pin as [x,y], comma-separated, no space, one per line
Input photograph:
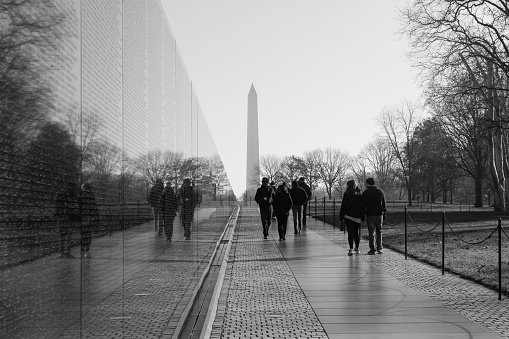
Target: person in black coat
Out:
[299,198]
[375,209]
[305,187]
[153,199]
[89,218]
[188,200]
[282,204]
[168,203]
[352,214]
[263,197]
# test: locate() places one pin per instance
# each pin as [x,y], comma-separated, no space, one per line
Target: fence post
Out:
[324,210]
[499,258]
[406,236]
[333,212]
[111,220]
[443,243]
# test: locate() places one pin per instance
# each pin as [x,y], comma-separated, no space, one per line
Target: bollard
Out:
[334,212]
[443,243]
[406,237]
[499,258]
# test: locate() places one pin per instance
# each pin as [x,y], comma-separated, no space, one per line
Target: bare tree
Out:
[271,166]
[312,166]
[472,34]
[399,124]
[293,167]
[85,129]
[381,161]
[103,162]
[151,166]
[333,167]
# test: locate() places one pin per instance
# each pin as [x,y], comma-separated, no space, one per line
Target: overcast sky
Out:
[323,70]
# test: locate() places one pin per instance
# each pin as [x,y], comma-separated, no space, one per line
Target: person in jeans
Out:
[374,199]
[352,214]
[264,195]
[305,186]
[168,203]
[299,198]
[153,199]
[282,204]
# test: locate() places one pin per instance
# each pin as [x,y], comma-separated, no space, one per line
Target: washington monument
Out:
[253,149]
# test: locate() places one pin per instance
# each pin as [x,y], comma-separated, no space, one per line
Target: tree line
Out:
[460,148]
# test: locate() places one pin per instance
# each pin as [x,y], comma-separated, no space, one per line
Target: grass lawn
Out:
[471,242]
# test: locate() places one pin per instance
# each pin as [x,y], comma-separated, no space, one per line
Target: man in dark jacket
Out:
[153,199]
[188,199]
[168,203]
[263,197]
[374,199]
[305,187]
[299,198]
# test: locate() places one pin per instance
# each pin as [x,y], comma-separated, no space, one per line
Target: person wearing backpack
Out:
[351,214]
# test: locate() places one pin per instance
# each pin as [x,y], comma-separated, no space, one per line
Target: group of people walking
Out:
[278,201]
[165,203]
[356,207]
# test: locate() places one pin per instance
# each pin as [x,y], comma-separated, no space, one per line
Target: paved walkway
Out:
[307,287]
[136,286]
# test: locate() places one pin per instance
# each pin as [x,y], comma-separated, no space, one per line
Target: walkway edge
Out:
[187,309]
[211,313]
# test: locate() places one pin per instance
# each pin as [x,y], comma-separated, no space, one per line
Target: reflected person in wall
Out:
[89,218]
[67,215]
[153,199]
[187,199]
[168,203]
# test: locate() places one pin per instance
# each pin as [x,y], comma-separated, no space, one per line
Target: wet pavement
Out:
[136,286]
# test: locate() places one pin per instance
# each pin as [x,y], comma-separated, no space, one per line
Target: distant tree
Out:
[381,161]
[399,124]
[151,166]
[312,166]
[333,167]
[271,166]
[293,167]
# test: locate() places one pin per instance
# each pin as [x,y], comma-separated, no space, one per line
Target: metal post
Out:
[334,212]
[406,237]
[499,258]
[324,210]
[443,243]
[315,206]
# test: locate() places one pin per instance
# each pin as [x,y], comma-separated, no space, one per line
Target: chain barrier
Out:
[386,222]
[470,243]
[504,232]
[424,231]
